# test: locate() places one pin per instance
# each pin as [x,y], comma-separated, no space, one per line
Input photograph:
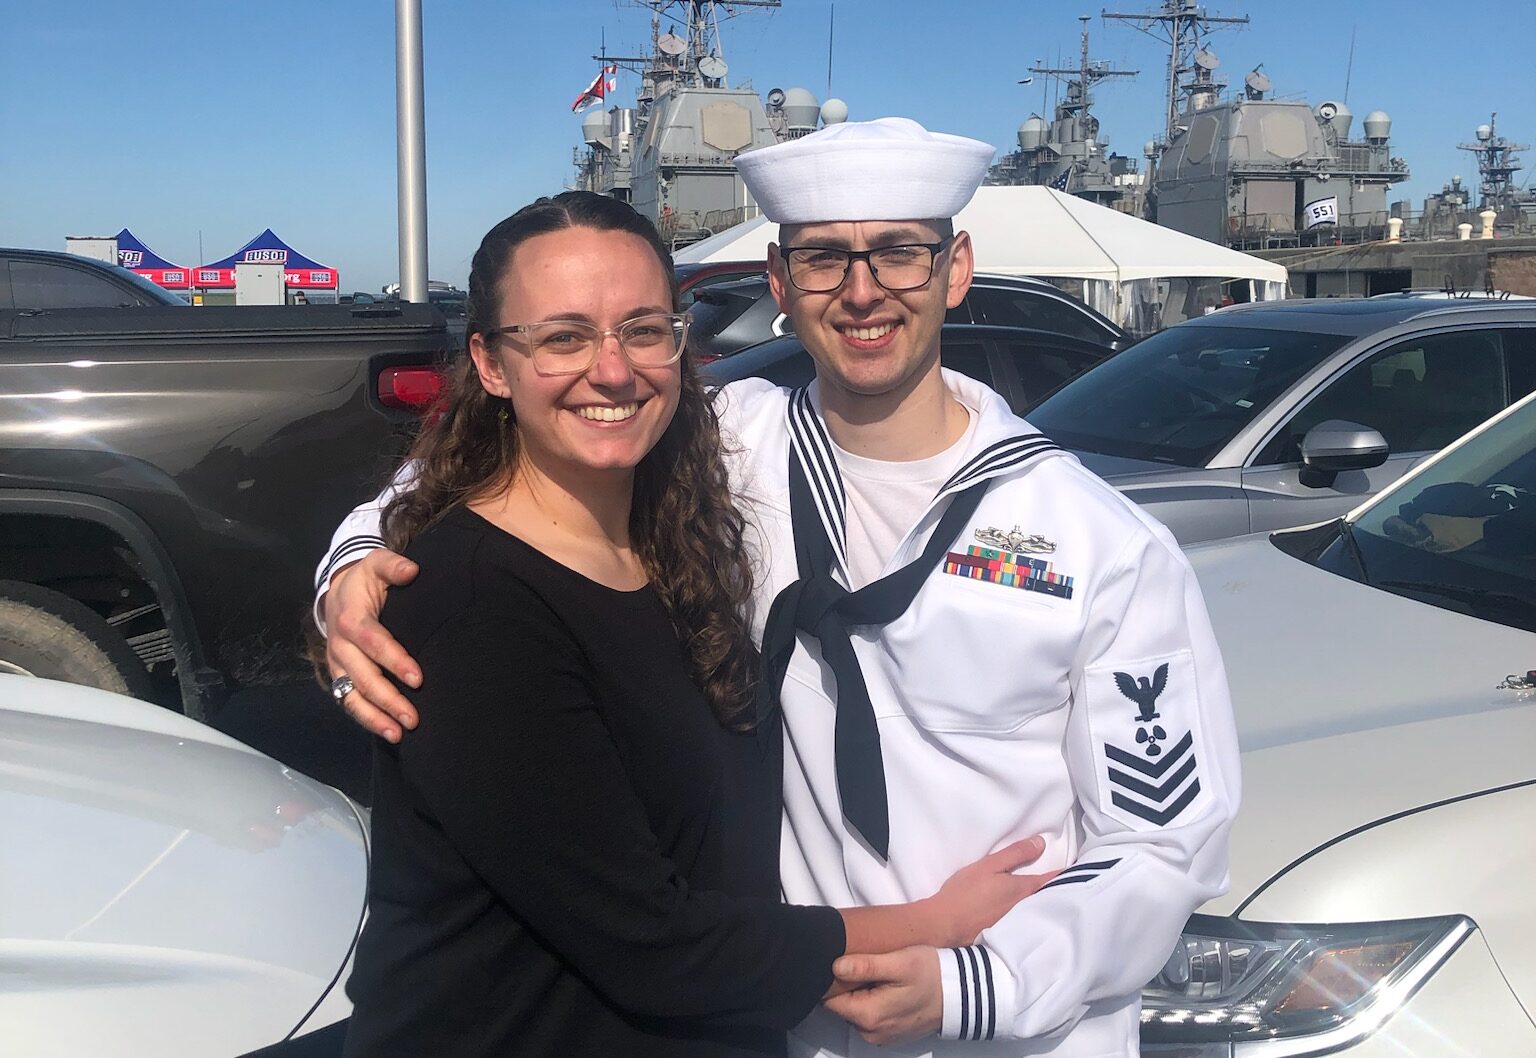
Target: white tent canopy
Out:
[1142,275]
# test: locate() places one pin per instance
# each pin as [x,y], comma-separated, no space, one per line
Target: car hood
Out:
[1352,704]
[160,874]
[1109,467]
[1127,474]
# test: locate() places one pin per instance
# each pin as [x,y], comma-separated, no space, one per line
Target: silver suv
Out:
[1277,414]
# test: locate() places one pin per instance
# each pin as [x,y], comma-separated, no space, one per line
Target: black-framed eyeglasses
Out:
[821,269]
[569,347]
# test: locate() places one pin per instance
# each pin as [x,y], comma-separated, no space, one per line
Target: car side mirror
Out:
[1338,445]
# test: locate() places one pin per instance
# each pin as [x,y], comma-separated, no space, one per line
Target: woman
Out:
[576,852]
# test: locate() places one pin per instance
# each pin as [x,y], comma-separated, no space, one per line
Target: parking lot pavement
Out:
[299,725]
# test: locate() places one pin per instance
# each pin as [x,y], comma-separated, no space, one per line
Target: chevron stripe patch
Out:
[1170,790]
[1145,719]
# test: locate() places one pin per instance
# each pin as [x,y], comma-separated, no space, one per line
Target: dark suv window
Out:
[1041,368]
[1420,394]
[968,358]
[1041,312]
[37,285]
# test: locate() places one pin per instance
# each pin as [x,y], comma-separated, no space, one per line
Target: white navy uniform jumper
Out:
[1054,673]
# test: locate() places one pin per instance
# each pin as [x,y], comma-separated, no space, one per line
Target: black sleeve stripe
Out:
[340,559]
[348,547]
[1102,865]
[1080,872]
[965,1004]
[970,955]
[986,964]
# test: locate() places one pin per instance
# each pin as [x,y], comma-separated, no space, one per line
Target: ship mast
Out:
[688,53]
[1088,73]
[1182,25]
[1496,164]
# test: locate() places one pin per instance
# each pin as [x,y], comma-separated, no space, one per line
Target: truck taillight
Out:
[409,388]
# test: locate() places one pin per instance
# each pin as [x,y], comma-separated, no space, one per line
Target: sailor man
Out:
[943,691]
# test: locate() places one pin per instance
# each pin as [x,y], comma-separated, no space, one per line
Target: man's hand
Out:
[357,645]
[898,997]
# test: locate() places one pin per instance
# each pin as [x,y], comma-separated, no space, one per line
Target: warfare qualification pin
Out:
[1016,541]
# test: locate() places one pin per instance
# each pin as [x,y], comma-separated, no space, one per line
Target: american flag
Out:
[1060,183]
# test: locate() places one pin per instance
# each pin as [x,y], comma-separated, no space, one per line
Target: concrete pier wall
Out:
[1382,267]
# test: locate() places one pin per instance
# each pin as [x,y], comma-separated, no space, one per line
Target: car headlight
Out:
[1231,981]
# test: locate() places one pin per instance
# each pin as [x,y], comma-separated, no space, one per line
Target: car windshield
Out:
[1460,534]
[1178,397]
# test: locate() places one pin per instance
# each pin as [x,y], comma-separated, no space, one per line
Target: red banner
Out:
[303,279]
[170,278]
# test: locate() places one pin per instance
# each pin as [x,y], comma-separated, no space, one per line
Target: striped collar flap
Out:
[812,446]
[999,457]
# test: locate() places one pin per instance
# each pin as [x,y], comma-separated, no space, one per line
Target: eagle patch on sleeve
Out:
[1144,718]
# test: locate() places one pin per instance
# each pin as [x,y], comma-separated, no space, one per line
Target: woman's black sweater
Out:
[571,856]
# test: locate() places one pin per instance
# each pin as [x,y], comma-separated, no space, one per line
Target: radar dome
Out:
[1032,133]
[1337,116]
[594,127]
[1485,132]
[801,109]
[1378,126]
[834,112]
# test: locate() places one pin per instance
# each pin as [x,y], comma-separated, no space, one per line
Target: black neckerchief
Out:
[821,607]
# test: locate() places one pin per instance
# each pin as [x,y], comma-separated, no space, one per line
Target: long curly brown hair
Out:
[683,523]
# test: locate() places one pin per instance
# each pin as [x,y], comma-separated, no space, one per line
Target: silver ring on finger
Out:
[342,686]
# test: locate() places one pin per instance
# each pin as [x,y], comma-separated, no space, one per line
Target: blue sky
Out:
[219,118]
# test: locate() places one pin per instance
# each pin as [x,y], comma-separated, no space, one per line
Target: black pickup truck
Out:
[169,476]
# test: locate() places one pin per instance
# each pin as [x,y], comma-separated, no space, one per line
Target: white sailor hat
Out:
[887,169]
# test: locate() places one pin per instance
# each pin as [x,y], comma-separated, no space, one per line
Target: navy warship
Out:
[1252,171]
[1496,204]
[1069,153]
[673,154]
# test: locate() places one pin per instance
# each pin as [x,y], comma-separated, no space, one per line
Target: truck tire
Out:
[47,634]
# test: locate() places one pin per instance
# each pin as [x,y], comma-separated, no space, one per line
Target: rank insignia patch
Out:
[1010,570]
[1149,763]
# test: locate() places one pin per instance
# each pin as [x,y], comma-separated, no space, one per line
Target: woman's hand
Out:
[976,896]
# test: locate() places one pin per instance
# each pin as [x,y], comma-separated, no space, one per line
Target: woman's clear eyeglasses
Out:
[569,347]
[822,269]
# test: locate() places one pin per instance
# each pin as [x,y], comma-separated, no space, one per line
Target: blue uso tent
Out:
[135,256]
[298,271]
